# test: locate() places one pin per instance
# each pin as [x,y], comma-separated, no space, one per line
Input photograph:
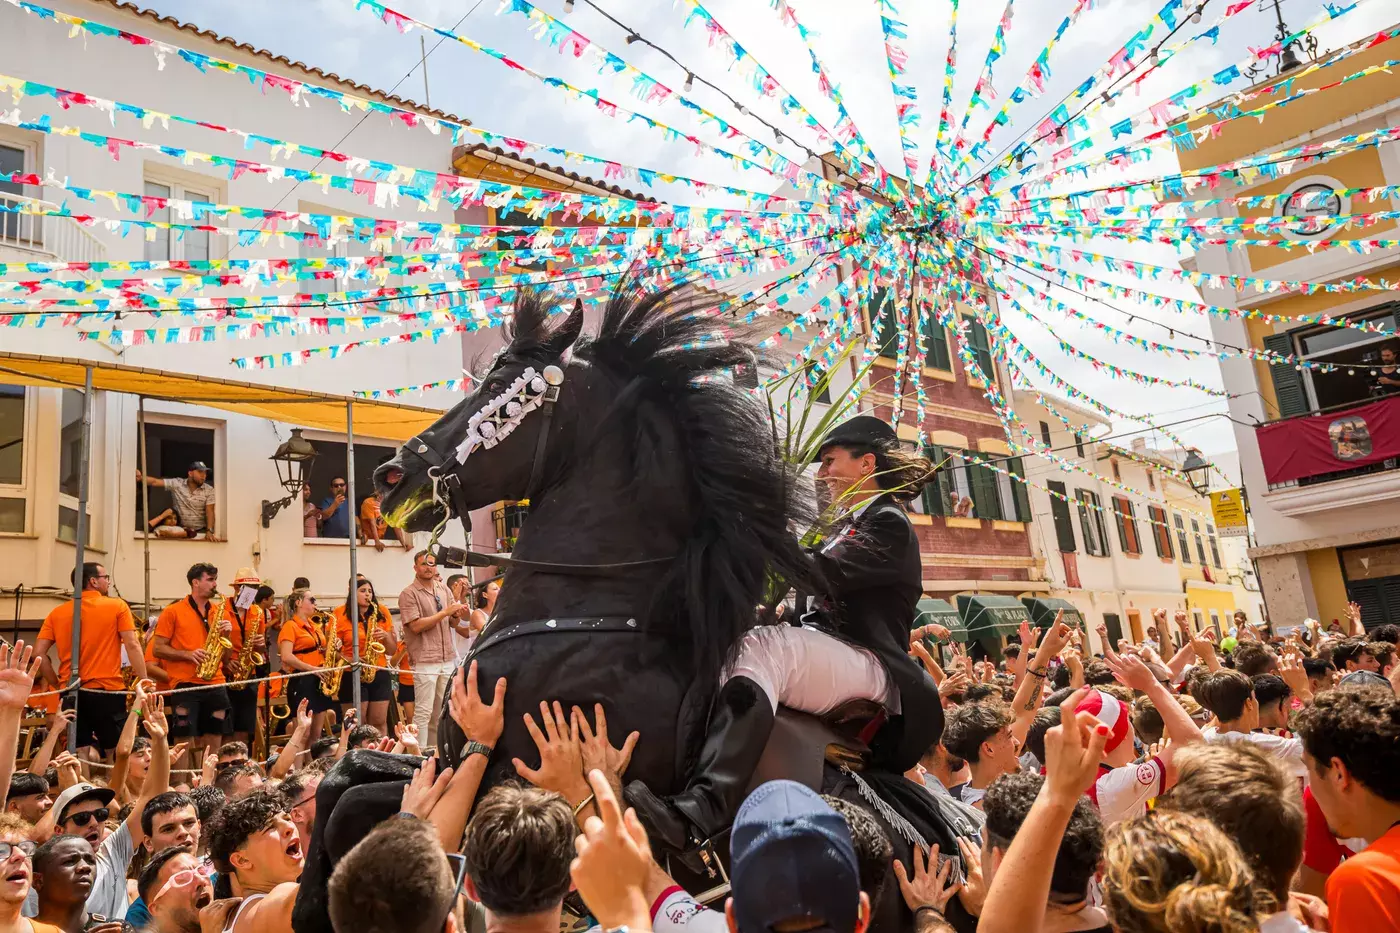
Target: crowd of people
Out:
[1169,786]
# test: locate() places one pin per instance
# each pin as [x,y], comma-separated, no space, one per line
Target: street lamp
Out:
[1197,471]
[292,458]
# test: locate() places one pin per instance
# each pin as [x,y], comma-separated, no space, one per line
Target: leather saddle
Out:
[801,743]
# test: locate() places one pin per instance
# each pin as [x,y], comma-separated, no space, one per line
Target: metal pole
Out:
[145,513]
[423,61]
[354,554]
[79,546]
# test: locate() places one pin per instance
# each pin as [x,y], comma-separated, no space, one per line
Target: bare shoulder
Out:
[272,914]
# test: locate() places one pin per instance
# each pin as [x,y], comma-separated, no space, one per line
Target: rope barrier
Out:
[348,667]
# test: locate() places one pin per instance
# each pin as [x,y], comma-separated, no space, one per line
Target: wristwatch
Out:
[474,747]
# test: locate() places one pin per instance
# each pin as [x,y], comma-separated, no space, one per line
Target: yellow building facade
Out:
[1313,417]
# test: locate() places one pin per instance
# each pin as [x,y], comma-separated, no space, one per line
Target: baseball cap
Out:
[198,465]
[1364,679]
[1107,709]
[80,792]
[792,856]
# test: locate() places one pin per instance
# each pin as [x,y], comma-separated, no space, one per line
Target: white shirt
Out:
[1288,752]
[1122,793]
[108,896]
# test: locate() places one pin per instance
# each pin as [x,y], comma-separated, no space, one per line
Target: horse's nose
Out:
[392,476]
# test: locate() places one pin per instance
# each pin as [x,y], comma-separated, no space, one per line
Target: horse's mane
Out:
[672,352]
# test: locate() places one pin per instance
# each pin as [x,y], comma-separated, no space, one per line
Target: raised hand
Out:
[613,863]
[927,889]
[561,758]
[154,718]
[407,733]
[974,890]
[1290,668]
[480,722]
[1073,750]
[304,715]
[1130,671]
[953,685]
[17,669]
[599,754]
[426,788]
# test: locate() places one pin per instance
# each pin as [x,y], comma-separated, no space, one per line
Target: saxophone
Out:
[335,664]
[373,657]
[248,658]
[215,644]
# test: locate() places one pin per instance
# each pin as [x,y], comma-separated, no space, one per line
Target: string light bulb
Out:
[1196,16]
[689,81]
[632,37]
[568,6]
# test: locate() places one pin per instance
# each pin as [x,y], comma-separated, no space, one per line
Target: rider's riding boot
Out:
[739,728]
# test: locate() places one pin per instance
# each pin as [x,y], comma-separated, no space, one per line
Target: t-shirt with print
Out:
[1363,894]
[189,503]
[1122,793]
[1286,751]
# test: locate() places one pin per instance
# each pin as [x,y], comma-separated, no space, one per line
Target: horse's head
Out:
[486,445]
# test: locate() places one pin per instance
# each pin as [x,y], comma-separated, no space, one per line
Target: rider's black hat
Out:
[862,430]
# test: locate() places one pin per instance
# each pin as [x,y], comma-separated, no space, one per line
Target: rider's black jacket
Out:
[874,581]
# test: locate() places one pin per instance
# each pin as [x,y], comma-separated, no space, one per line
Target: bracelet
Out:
[1037,673]
[581,804]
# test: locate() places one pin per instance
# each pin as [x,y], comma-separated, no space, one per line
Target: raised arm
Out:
[58,730]
[1027,699]
[17,669]
[158,775]
[150,480]
[298,742]
[480,723]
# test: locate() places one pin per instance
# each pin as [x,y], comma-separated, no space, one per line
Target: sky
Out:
[333,35]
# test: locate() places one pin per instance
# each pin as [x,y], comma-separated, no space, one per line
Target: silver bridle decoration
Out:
[495,420]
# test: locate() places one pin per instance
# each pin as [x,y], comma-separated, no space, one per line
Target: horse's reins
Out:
[444,477]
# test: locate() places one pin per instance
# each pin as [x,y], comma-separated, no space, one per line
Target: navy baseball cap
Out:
[862,431]
[791,856]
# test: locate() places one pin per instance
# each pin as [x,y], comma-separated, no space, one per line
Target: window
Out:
[1200,543]
[170,449]
[12,429]
[70,458]
[1126,520]
[980,347]
[1079,444]
[1215,619]
[936,354]
[1199,619]
[1091,524]
[1117,474]
[1182,544]
[1161,535]
[964,488]
[1059,514]
[1214,547]
[1151,480]
[508,520]
[1045,434]
[188,245]
[330,464]
[1011,495]
[1351,352]
[16,228]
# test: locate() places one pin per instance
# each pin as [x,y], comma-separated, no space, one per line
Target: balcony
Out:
[1340,457]
[26,238]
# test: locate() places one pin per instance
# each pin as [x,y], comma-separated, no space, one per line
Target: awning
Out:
[942,612]
[991,616]
[294,406]
[1043,609]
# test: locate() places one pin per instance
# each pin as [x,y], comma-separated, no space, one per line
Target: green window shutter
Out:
[1118,518]
[884,322]
[1130,520]
[936,492]
[936,345]
[1018,490]
[981,348]
[1288,381]
[984,491]
[1059,513]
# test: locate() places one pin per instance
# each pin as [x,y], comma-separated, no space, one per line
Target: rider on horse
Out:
[850,645]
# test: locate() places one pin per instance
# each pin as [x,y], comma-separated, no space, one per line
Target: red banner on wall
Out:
[1314,445]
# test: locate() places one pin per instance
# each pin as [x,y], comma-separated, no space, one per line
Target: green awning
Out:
[1043,609]
[942,612]
[991,616]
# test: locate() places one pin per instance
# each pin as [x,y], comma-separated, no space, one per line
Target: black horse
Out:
[660,518]
[659,514]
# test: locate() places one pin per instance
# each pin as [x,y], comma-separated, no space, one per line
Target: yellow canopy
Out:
[325,412]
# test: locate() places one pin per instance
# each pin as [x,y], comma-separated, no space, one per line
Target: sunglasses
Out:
[26,848]
[235,763]
[183,878]
[82,819]
[458,865]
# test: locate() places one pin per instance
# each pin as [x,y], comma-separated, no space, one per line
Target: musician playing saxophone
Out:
[250,616]
[301,644]
[376,689]
[180,642]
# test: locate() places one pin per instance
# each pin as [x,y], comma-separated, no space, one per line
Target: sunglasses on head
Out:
[82,819]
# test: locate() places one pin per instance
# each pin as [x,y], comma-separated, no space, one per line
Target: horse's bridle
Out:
[447,492]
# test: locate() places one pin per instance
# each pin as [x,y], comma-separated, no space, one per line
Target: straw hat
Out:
[246,577]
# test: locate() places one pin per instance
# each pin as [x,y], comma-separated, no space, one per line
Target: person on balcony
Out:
[192,499]
[335,512]
[1386,380]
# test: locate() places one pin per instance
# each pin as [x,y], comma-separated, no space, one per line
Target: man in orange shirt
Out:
[1351,746]
[181,633]
[107,627]
[373,527]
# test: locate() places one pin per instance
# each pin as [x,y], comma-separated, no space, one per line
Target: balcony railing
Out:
[60,238]
[1334,444]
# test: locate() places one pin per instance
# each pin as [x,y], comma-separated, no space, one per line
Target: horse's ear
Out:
[563,336]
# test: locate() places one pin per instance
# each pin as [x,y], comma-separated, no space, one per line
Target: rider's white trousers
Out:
[808,670]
